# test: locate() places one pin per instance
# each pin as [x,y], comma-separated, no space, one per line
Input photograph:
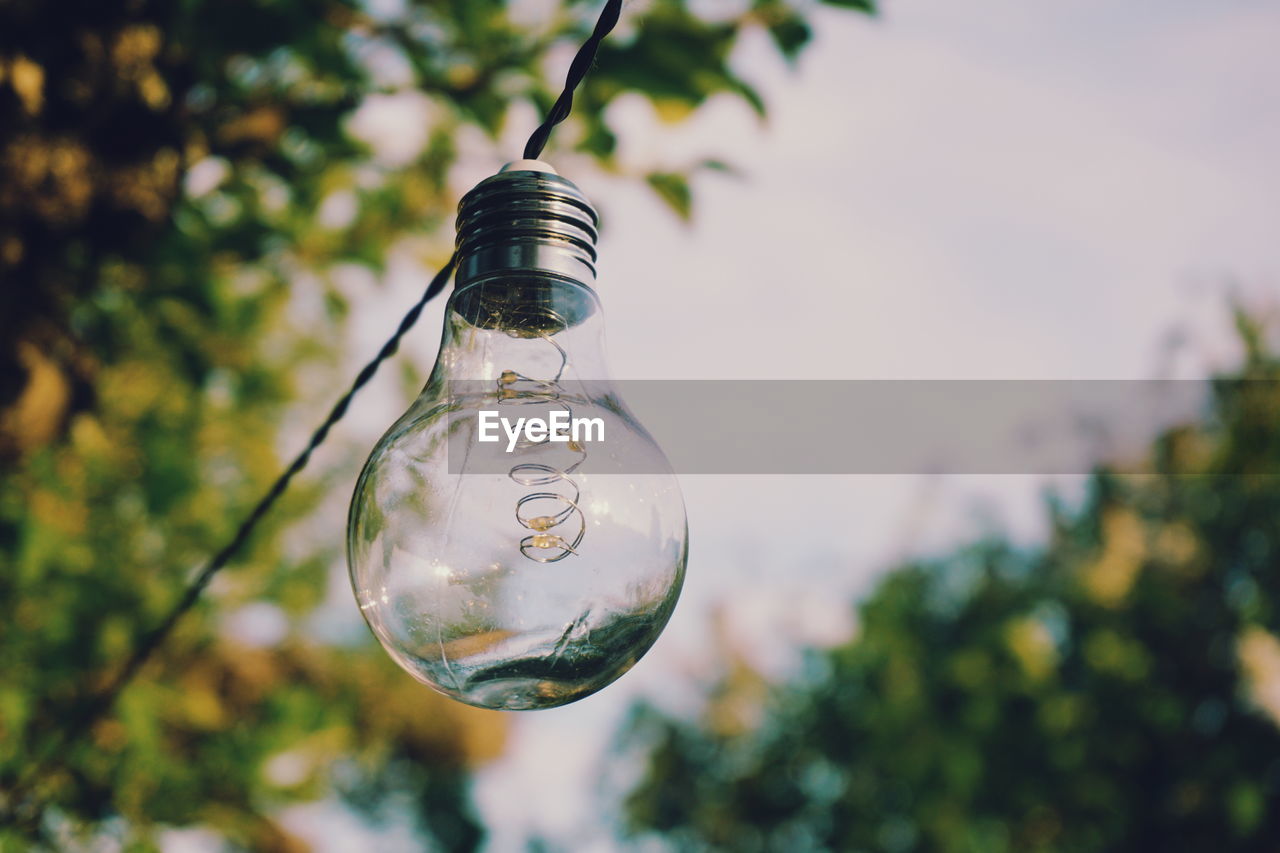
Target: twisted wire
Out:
[577,71]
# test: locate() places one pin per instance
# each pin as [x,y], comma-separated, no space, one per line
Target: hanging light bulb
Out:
[540,582]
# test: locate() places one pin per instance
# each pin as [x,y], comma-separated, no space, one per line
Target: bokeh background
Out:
[211,214]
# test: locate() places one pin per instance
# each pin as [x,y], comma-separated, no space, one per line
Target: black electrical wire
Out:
[86,715]
[577,71]
[160,633]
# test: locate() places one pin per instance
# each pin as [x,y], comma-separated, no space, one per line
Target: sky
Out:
[1007,189]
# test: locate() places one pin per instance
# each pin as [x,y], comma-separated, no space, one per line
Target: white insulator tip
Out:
[528,166]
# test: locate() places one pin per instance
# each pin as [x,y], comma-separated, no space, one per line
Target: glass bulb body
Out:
[540,582]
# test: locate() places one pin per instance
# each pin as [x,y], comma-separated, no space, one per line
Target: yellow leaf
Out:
[27,80]
[1124,546]
[1259,653]
[672,110]
[35,417]
[1033,646]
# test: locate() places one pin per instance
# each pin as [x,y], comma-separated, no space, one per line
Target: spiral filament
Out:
[555,504]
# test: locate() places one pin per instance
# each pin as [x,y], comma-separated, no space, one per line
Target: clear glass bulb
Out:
[540,581]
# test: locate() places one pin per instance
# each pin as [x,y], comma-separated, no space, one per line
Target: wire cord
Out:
[577,72]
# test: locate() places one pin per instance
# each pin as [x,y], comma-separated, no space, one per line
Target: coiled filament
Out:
[551,512]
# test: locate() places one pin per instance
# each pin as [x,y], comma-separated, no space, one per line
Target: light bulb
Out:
[526,573]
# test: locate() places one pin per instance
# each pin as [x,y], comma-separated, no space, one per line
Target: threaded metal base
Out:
[526,220]
[521,236]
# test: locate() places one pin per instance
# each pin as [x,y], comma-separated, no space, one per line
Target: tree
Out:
[164,170]
[1113,690]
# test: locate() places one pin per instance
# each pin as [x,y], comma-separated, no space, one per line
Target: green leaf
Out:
[868,6]
[675,58]
[599,139]
[790,35]
[713,165]
[485,107]
[673,188]
[749,94]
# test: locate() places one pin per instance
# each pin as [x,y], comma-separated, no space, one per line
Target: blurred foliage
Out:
[179,180]
[1118,689]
